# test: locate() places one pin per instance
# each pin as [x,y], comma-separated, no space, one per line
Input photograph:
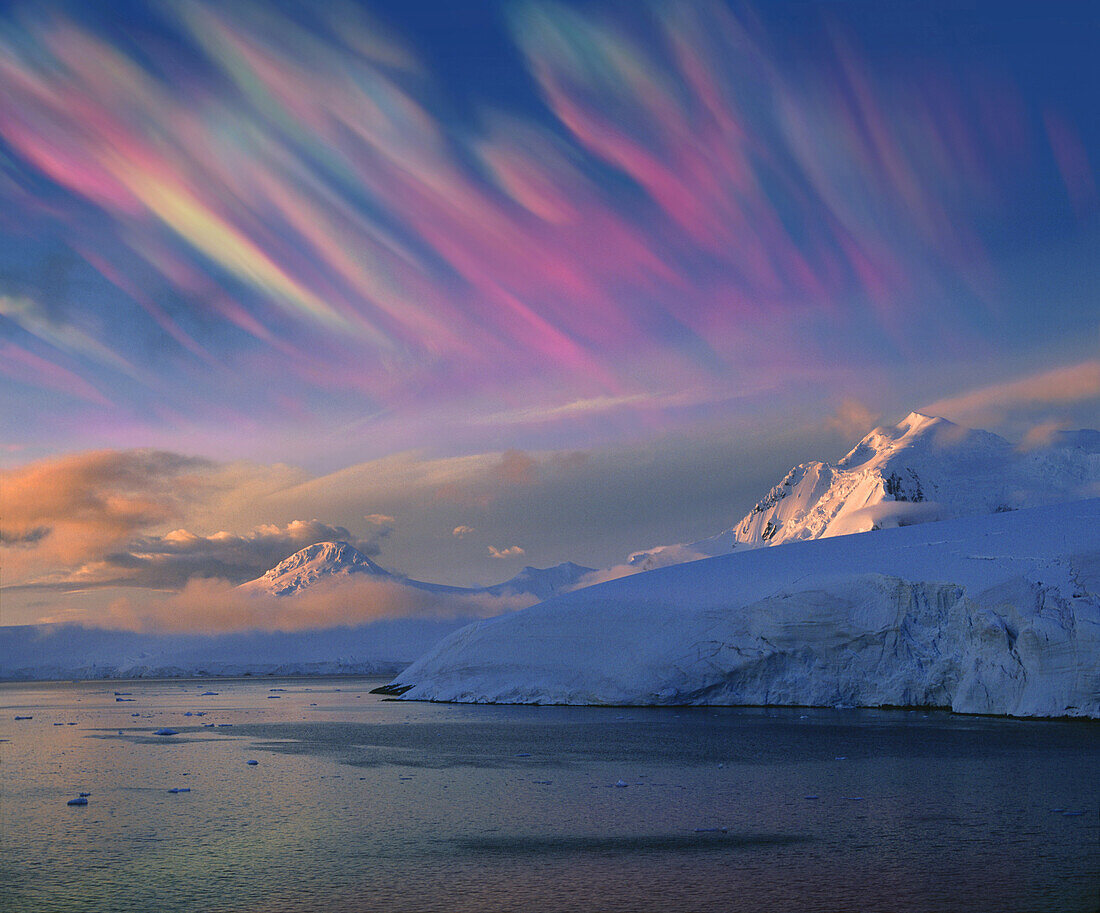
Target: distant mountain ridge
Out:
[328,560]
[924,468]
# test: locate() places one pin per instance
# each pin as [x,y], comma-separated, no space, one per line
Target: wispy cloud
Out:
[1078,383]
[290,193]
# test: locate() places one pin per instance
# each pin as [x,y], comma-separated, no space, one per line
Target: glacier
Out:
[994,614]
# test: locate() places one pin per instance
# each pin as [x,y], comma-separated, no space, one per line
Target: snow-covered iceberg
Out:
[996,614]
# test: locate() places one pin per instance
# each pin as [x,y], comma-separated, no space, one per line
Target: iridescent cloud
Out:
[683,206]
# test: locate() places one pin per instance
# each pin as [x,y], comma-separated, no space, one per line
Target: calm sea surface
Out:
[358,803]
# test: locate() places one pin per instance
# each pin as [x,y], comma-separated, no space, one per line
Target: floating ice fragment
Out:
[1069,814]
[207,693]
[274,697]
[124,700]
[840,757]
[24,717]
[180,789]
[811,797]
[210,725]
[83,795]
[852,798]
[621,783]
[189,713]
[523,754]
[123,693]
[166,731]
[251,763]
[135,714]
[79,800]
[224,724]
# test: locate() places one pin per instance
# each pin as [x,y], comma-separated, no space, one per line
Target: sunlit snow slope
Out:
[994,614]
[924,468]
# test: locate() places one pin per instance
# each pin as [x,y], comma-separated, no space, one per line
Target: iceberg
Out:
[994,614]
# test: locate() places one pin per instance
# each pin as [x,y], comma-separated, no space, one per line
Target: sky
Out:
[478,285]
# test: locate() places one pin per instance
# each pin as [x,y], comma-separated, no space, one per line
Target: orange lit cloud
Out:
[215,606]
[1072,384]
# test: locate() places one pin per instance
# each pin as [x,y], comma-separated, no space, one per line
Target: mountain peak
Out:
[924,468]
[915,420]
[307,565]
[336,555]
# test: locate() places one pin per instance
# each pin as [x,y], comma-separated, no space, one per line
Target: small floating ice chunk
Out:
[811,797]
[251,763]
[166,731]
[180,789]
[622,783]
[83,795]
[24,717]
[1071,814]
[523,754]
[274,697]
[207,693]
[124,700]
[225,724]
[841,757]
[852,798]
[79,800]
[189,713]
[123,693]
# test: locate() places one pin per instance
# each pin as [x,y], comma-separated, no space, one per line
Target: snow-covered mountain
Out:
[924,468]
[996,614]
[329,560]
[321,561]
[541,582]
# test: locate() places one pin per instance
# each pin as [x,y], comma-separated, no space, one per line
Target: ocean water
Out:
[360,803]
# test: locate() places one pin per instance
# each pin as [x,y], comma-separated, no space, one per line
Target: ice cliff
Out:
[996,614]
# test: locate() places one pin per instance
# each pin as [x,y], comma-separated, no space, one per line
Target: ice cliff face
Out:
[997,614]
[924,468]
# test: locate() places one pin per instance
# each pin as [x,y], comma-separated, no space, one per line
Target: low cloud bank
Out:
[217,606]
